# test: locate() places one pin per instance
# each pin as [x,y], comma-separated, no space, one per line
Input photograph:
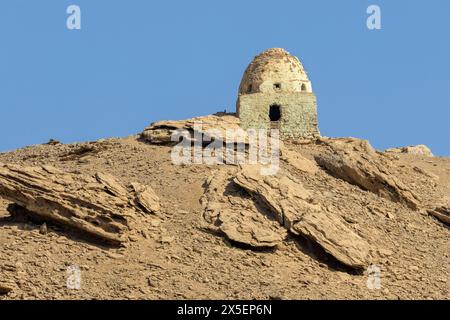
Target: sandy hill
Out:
[138,226]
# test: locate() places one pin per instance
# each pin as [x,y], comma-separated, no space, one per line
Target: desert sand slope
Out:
[336,207]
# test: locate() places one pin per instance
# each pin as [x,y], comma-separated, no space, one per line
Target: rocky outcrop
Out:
[421,150]
[356,162]
[99,206]
[247,227]
[298,212]
[212,127]
[299,162]
[235,215]
[442,214]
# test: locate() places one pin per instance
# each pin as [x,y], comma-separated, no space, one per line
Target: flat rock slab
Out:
[213,127]
[98,205]
[296,209]
[247,227]
[299,162]
[442,214]
[236,216]
[356,162]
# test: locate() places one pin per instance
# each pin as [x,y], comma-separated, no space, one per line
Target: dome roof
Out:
[275,70]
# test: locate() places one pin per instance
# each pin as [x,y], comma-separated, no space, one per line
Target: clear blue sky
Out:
[138,61]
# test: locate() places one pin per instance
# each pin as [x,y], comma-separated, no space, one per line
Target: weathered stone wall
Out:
[298,113]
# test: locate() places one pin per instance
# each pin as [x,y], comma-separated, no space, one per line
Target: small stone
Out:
[113,255]
[151,283]
[167,239]
[197,250]
[133,238]
[9,267]
[53,142]
[155,223]
[385,252]
[5,288]
[414,268]
[43,229]
[389,215]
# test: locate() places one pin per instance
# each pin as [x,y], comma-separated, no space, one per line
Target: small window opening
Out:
[277,86]
[303,87]
[275,112]
[250,89]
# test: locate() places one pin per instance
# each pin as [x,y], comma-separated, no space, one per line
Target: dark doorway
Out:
[275,112]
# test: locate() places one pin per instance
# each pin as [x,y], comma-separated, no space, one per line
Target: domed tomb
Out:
[275,92]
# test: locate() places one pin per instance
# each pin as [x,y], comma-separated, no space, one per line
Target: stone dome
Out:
[275,70]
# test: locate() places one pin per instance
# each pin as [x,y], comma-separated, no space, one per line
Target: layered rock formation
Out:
[212,127]
[356,162]
[298,211]
[99,205]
